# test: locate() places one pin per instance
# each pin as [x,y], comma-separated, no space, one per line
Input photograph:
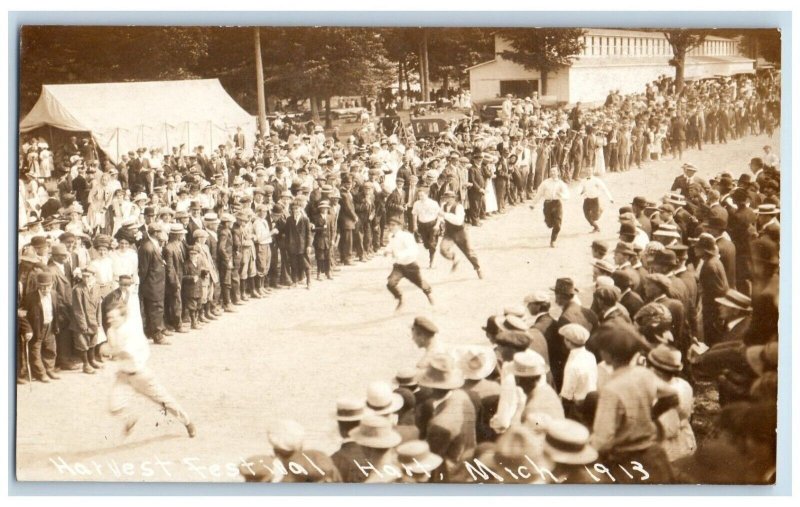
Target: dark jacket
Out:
[298,235]
[174,261]
[152,274]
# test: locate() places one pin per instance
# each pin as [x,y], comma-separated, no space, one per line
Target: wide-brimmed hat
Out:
[350,409]
[441,372]
[604,266]
[382,400]
[376,432]
[624,248]
[666,258]
[514,448]
[529,364]
[567,442]
[735,299]
[515,323]
[478,363]
[666,358]
[416,457]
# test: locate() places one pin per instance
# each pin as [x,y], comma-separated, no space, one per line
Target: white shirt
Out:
[593,187]
[426,210]
[552,189]
[128,341]
[457,216]
[47,308]
[403,247]
[580,375]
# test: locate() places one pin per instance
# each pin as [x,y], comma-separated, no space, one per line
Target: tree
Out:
[454,49]
[543,49]
[318,63]
[682,41]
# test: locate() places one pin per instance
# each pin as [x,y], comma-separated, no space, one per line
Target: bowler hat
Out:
[707,244]
[44,278]
[716,222]
[666,258]
[565,286]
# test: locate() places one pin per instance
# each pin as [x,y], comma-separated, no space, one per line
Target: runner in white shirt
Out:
[553,191]
[426,215]
[403,249]
[128,344]
[593,187]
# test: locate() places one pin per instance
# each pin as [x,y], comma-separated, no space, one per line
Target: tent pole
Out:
[166,135]
[118,155]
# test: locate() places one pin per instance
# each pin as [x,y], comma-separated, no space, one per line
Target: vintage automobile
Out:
[427,128]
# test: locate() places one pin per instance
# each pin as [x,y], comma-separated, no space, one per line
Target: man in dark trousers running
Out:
[403,249]
[454,233]
[553,191]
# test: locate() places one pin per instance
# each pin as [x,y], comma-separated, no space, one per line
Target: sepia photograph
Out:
[397,254]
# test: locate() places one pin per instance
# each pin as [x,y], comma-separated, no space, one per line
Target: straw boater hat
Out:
[381,400]
[567,442]
[768,209]
[735,299]
[406,377]
[350,409]
[376,432]
[416,457]
[441,372]
[478,363]
[675,199]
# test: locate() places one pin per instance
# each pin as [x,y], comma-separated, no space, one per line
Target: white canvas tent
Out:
[122,117]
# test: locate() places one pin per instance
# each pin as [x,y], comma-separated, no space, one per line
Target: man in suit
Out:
[735,309]
[59,267]
[716,226]
[239,139]
[174,259]
[450,432]
[657,288]
[571,313]
[349,413]
[741,221]
[629,299]
[475,191]
[299,238]
[42,315]
[713,284]
[152,283]
[347,221]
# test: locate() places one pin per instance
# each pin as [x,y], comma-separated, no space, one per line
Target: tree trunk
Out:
[328,119]
[314,109]
[262,106]
[543,75]
[408,80]
[424,76]
[446,85]
[679,62]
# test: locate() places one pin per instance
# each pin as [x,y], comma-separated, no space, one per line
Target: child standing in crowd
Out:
[322,240]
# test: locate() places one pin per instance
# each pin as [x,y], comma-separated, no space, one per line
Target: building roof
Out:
[619,32]
[617,61]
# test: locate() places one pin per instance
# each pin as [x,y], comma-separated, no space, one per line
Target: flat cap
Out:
[426,324]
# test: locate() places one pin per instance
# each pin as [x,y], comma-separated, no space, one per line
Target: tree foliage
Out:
[543,49]
[682,41]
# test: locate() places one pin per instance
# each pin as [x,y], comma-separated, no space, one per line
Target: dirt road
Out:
[293,354]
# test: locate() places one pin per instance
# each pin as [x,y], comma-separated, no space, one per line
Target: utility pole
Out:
[262,103]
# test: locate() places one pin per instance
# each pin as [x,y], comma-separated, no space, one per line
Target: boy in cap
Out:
[174,258]
[349,412]
[403,249]
[86,319]
[322,240]
[580,370]
[194,274]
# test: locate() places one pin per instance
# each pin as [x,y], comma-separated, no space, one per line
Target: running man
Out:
[128,344]
[454,233]
[403,249]
[553,191]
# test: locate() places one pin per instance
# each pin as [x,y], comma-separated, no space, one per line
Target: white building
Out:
[622,60]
